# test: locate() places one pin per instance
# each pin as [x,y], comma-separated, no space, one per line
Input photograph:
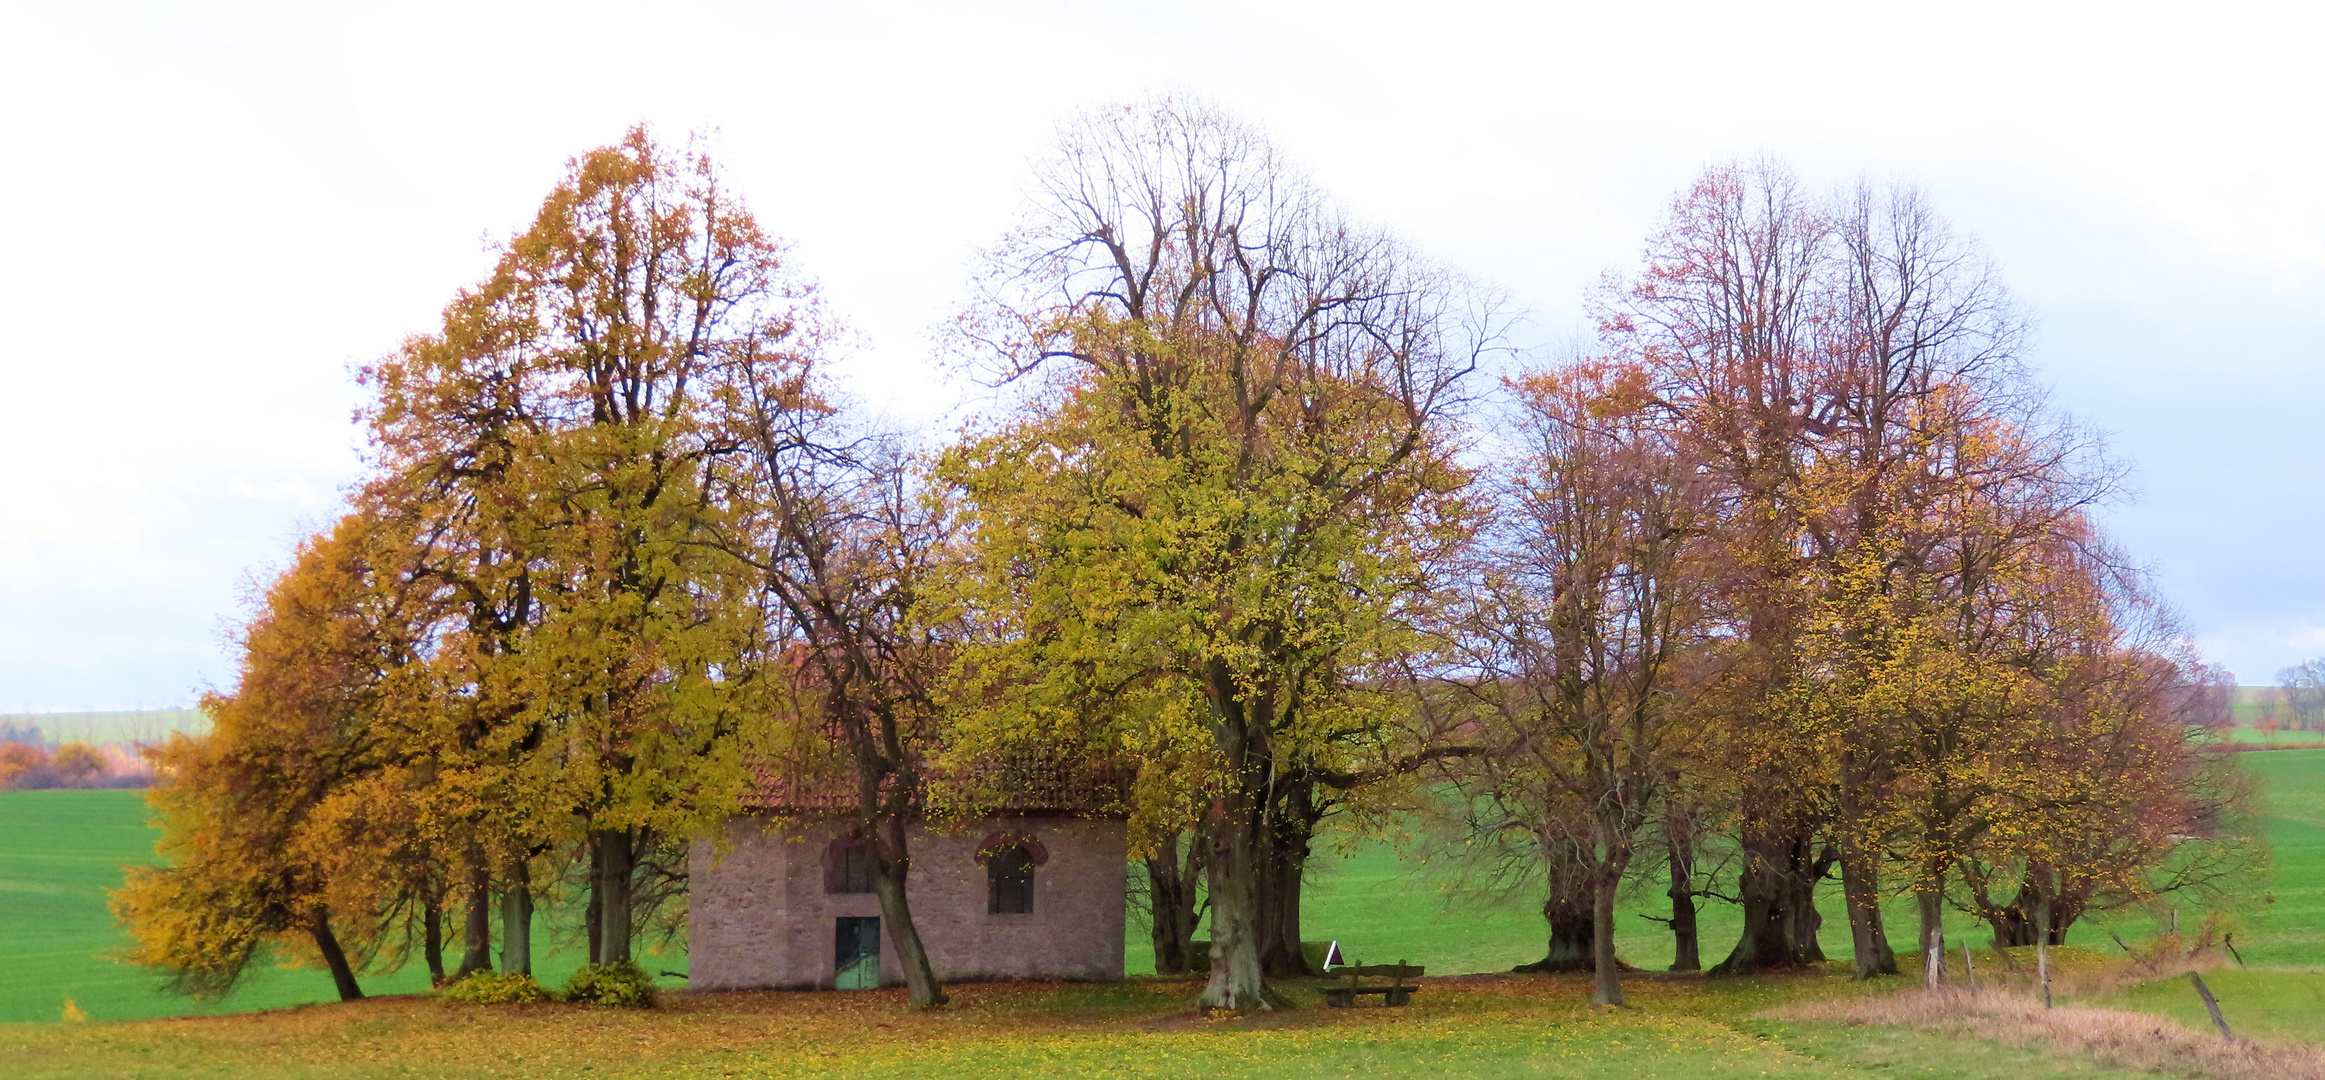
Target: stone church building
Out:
[788,902]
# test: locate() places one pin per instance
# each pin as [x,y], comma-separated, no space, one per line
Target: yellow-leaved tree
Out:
[554,449]
[1205,536]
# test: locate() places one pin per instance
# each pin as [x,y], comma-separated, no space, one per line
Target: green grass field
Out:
[60,851]
[64,848]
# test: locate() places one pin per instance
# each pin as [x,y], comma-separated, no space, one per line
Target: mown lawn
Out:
[1493,1027]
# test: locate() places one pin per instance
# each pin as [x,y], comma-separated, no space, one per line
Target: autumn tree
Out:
[1726,317]
[20,761]
[1593,606]
[238,805]
[77,763]
[1846,370]
[554,444]
[1228,476]
[2110,798]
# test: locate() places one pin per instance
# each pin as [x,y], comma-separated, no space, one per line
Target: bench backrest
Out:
[1380,971]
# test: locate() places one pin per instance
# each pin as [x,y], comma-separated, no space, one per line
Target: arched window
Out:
[847,866]
[1009,881]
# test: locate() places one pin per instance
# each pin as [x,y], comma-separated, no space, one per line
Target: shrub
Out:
[622,984]
[496,988]
[78,763]
[20,762]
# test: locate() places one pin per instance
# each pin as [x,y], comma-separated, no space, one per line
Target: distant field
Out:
[66,847]
[141,726]
[2252,703]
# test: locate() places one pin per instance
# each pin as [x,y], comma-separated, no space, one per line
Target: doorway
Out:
[856,953]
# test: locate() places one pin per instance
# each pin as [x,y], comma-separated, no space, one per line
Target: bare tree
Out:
[2303,688]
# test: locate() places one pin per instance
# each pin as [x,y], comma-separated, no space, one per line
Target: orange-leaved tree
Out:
[238,877]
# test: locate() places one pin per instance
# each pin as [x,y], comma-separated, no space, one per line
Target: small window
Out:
[847,867]
[1009,881]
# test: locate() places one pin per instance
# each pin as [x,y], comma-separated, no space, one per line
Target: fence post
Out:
[2042,943]
[2211,1003]
[1969,968]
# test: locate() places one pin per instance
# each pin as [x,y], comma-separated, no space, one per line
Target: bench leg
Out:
[1400,997]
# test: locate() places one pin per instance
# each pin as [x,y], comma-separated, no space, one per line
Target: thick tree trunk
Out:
[1238,833]
[611,889]
[476,932]
[1606,984]
[517,922]
[1236,982]
[432,941]
[2023,922]
[1772,890]
[1861,893]
[1933,933]
[334,957]
[1573,932]
[1173,895]
[894,862]
[1686,945]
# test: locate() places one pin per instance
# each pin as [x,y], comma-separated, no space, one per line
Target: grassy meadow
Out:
[62,849]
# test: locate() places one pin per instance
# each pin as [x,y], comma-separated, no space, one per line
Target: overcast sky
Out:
[214,210]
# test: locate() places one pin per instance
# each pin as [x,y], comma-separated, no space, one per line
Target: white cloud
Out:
[221,206]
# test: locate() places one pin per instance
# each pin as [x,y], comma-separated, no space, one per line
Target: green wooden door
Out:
[856,954]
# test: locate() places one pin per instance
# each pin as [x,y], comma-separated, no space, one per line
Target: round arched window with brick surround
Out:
[1010,860]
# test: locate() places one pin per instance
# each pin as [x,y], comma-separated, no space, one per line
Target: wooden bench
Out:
[1396,993]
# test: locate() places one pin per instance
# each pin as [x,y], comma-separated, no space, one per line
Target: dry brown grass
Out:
[2125,1040]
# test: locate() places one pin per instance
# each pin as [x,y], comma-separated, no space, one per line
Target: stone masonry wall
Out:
[758,916]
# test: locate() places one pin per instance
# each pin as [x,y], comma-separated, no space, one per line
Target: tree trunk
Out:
[432,940]
[1801,880]
[1606,984]
[593,922]
[1236,982]
[1933,933]
[334,957]
[1861,893]
[517,922]
[1284,862]
[2024,920]
[893,860]
[476,934]
[1573,928]
[1686,954]
[611,890]
[1774,927]
[1172,895]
